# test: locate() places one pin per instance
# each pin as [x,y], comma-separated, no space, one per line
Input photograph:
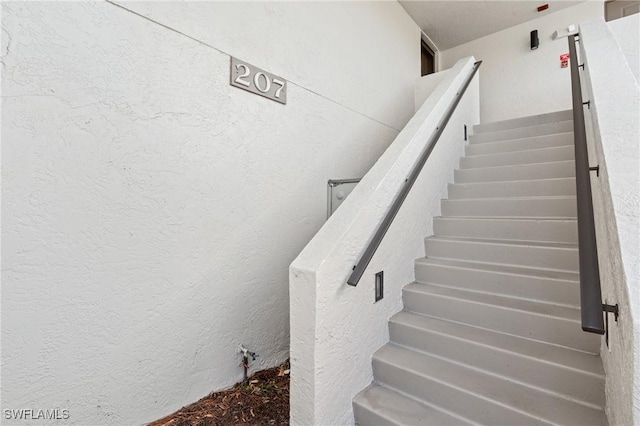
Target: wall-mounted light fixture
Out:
[534,40]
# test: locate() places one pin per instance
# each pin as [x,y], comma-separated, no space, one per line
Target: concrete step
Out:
[555,324]
[519,229]
[515,188]
[573,374]
[558,256]
[543,155]
[545,285]
[522,132]
[477,394]
[556,206]
[533,120]
[551,170]
[381,406]
[522,144]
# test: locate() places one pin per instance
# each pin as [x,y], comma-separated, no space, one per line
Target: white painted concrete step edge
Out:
[521,144]
[558,256]
[578,361]
[533,156]
[532,171]
[380,405]
[527,121]
[430,372]
[500,268]
[514,188]
[543,366]
[509,228]
[522,132]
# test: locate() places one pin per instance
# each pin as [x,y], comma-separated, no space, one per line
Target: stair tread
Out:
[530,197]
[532,243]
[499,132]
[486,183]
[563,312]
[527,400]
[520,139]
[510,218]
[567,357]
[551,274]
[534,120]
[396,408]
[566,162]
[551,148]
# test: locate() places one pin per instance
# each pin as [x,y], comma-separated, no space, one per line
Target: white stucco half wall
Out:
[150,211]
[614,138]
[336,328]
[518,81]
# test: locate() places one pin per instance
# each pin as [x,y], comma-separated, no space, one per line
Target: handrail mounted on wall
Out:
[359,268]
[591,306]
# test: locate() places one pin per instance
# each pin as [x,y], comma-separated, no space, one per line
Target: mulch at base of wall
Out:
[264,401]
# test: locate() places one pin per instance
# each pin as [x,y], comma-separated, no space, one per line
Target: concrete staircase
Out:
[490,332]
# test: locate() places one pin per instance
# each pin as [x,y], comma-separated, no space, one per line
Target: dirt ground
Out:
[264,401]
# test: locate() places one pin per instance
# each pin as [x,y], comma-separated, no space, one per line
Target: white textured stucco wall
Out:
[627,33]
[518,81]
[336,328]
[150,211]
[613,133]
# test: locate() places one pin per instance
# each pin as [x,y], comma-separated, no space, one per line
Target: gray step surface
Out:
[508,228]
[514,188]
[553,206]
[490,332]
[550,170]
[380,406]
[551,286]
[555,324]
[542,155]
[558,256]
[522,132]
[572,374]
[528,121]
[487,398]
[521,144]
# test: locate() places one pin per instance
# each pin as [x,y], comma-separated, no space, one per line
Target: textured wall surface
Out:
[614,136]
[336,328]
[518,81]
[150,211]
[627,33]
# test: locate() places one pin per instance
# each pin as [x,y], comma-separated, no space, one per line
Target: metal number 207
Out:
[260,80]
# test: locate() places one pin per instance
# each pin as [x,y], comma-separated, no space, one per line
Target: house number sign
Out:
[258,81]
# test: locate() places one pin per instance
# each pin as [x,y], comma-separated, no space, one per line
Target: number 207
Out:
[260,81]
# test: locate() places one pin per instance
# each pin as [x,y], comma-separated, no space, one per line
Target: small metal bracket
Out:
[581,66]
[597,170]
[609,309]
[588,104]
[465,132]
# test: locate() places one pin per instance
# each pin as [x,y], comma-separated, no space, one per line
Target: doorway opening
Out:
[428,59]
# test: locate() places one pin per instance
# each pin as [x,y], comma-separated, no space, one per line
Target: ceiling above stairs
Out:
[451,23]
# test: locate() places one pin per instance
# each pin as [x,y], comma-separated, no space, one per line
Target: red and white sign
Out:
[564,57]
[564,64]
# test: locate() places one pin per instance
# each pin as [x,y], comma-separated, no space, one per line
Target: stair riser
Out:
[527,287]
[565,169]
[365,417]
[522,132]
[562,207]
[533,188]
[531,256]
[448,397]
[520,323]
[546,155]
[560,231]
[583,387]
[534,120]
[538,142]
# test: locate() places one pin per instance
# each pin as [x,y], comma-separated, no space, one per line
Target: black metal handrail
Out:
[366,257]
[590,292]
